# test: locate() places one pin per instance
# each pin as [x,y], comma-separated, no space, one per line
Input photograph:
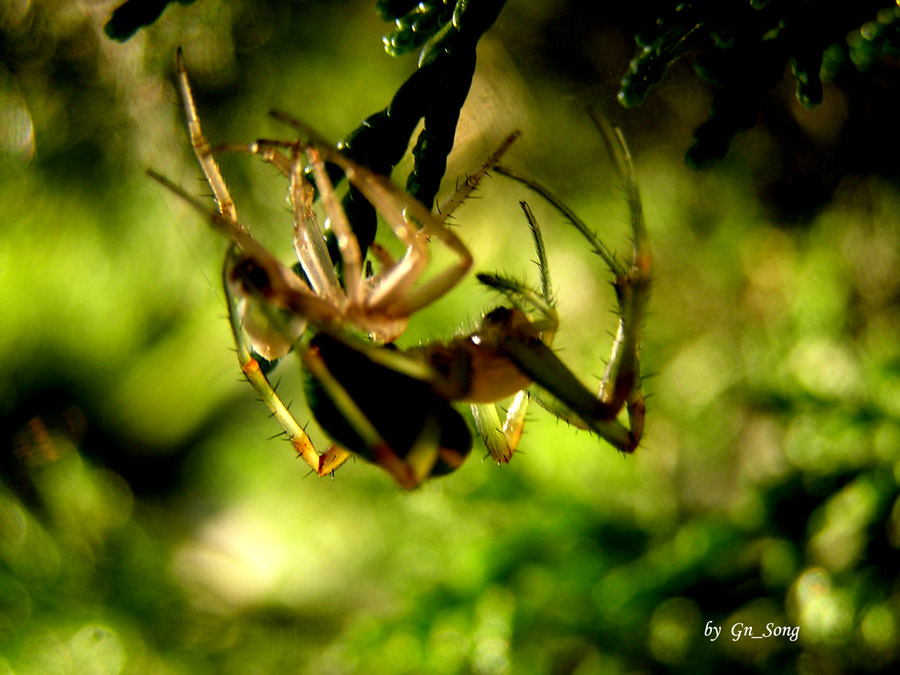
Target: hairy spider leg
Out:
[622,379]
[296,299]
[473,180]
[390,293]
[557,389]
[269,345]
[201,146]
[396,280]
[268,150]
[447,208]
[276,281]
[502,438]
[323,464]
[348,246]
[309,236]
[412,222]
[368,313]
[309,241]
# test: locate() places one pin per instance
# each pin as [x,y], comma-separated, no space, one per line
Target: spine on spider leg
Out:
[621,383]
[556,389]
[470,184]
[596,244]
[201,146]
[250,366]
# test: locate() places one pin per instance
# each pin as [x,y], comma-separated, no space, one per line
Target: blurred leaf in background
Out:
[146,525]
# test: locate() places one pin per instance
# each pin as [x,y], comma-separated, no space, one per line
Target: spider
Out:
[356,385]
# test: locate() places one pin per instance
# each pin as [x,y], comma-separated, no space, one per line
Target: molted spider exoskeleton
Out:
[322,315]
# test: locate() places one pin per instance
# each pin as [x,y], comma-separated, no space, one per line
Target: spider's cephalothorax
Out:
[356,385]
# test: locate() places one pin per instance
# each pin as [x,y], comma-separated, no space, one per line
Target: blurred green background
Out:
[148,526]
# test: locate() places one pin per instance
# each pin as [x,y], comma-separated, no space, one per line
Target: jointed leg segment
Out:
[282,283]
[555,387]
